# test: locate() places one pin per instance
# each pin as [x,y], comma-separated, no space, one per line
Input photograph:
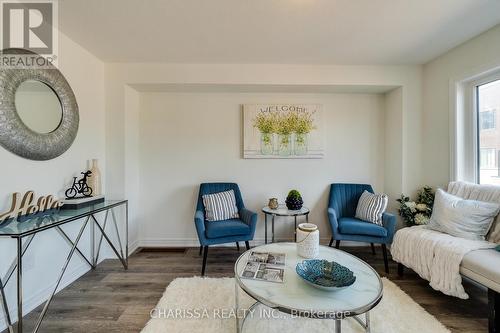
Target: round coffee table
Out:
[294,296]
[282,210]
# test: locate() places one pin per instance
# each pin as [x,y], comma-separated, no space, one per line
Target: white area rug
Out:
[206,305]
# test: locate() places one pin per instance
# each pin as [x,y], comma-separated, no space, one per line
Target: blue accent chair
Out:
[341,211]
[221,232]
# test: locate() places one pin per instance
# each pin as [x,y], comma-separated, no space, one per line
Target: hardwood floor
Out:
[110,299]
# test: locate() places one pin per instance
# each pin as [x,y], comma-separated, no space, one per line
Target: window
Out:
[488,158]
[487,119]
[487,101]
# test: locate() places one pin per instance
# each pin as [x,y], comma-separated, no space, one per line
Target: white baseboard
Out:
[133,246]
[194,242]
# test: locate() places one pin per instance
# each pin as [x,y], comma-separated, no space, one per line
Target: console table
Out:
[24,232]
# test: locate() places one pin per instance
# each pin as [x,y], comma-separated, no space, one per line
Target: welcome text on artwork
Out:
[283,108]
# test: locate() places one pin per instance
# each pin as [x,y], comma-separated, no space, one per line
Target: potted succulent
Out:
[294,200]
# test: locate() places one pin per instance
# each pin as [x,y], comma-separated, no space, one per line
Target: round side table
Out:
[282,210]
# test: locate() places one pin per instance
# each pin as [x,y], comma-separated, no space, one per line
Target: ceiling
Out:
[343,32]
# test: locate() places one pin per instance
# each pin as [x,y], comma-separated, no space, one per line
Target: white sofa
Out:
[482,266]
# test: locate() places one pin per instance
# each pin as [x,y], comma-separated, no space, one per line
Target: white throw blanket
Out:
[435,256]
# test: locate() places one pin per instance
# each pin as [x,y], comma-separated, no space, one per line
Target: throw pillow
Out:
[470,219]
[371,207]
[220,206]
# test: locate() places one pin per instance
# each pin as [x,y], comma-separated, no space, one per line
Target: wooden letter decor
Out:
[27,205]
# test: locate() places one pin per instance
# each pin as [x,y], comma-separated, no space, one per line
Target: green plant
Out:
[294,194]
[419,211]
[426,196]
[294,200]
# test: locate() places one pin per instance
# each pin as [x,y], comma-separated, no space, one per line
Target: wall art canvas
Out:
[283,131]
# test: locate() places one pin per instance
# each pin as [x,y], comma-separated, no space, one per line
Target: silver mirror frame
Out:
[18,138]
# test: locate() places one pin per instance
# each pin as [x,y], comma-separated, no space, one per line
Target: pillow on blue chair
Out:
[220,206]
[371,207]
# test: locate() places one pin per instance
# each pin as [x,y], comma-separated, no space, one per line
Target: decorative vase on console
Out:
[95,179]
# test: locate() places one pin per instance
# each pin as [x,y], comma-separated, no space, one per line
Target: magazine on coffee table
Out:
[265,266]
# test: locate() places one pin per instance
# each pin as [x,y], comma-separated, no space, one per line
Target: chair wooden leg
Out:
[238,246]
[331,242]
[401,269]
[201,249]
[205,253]
[337,244]
[493,311]
[373,248]
[386,262]
[247,245]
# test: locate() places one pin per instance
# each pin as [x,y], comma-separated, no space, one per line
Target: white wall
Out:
[189,138]
[471,58]
[45,257]
[125,81]
[416,139]
[393,172]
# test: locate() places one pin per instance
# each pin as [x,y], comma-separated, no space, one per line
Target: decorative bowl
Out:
[324,274]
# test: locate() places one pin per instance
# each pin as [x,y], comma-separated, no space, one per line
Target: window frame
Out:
[463,121]
[474,95]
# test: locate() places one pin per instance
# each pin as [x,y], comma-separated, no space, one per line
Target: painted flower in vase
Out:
[284,128]
[265,122]
[303,125]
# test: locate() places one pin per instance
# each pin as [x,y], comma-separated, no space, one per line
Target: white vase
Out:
[307,240]
[95,179]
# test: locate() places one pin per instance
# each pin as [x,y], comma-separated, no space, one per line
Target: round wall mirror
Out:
[38,109]
[38,106]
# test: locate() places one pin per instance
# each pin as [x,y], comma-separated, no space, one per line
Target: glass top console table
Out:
[25,230]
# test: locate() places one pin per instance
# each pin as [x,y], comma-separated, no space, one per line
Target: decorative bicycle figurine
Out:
[80,187]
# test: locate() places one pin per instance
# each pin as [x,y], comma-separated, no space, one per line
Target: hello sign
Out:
[26,206]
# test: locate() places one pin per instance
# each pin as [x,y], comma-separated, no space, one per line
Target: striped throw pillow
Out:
[371,207]
[220,206]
